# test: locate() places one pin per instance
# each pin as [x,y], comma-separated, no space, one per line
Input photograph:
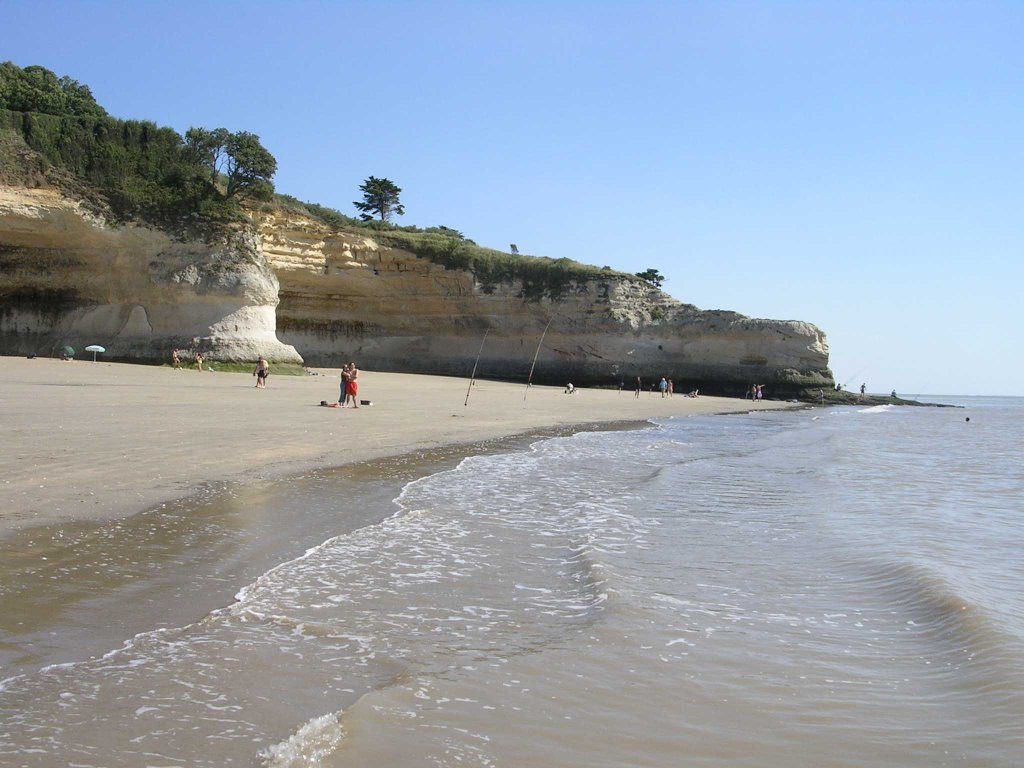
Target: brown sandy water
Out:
[773,590]
[75,590]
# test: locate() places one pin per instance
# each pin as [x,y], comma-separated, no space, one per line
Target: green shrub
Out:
[541,277]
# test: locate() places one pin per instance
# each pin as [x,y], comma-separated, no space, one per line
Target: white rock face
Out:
[70,278]
[344,296]
[291,285]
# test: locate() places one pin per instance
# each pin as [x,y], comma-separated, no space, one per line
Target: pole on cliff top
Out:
[535,356]
[472,376]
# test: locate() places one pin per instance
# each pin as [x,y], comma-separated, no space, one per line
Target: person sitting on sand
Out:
[261,372]
[570,389]
[199,360]
[695,393]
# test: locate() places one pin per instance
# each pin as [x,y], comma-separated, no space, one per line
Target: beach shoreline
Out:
[135,501]
[101,441]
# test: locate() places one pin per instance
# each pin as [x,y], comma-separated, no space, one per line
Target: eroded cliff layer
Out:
[70,277]
[344,295]
[288,285]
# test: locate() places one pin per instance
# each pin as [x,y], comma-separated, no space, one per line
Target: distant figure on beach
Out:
[175,359]
[751,393]
[863,388]
[663,386]
[759,391]
[261,371]
[342,395]
[352,385]
[893,394]
[671,388]
[639,386]
[821,395]
[570,389]
[199,360]
[694,393]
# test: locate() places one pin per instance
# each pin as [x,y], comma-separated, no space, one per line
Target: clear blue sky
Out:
[855,164]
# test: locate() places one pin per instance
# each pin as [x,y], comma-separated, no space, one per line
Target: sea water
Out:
[829,587]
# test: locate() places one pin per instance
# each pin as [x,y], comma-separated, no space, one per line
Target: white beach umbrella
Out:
[94,348]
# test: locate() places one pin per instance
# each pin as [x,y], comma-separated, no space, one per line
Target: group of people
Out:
[756,392]
[349,396]
[665,386]
[176,359]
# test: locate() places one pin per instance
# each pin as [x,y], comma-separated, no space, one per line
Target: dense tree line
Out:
[144,169]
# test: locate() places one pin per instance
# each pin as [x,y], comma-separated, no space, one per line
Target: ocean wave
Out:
[955,628]
[878,409]
[308,746]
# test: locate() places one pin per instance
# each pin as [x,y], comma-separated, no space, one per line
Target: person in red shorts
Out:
[352,385]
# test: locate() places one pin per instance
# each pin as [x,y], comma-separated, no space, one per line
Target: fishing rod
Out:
[472,376]
[535,356]
[858,373]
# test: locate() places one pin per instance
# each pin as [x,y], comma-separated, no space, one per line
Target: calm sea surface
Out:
[823,588]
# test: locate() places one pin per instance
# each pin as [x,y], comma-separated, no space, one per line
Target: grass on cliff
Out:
[541,277]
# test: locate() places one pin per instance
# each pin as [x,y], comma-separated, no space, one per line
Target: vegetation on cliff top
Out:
[154,173]
[143,169]
[541,277]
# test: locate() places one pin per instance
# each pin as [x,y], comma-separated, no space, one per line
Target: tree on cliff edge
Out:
[380,198]
[652,276]
[245,164]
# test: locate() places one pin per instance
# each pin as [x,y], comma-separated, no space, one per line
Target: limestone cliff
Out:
[344,295]
[287,285]
[70,277]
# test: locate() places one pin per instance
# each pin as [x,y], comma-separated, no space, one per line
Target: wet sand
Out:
[134,498]
[89,441]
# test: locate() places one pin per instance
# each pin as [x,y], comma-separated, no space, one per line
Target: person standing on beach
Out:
[344,385]
[663,386]
[671,388]
[175,359]
[639,386]
[260,372]
[352,387]
[199,360]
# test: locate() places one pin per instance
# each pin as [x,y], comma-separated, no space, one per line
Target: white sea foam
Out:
[878,409]
[510,596]
[307,747]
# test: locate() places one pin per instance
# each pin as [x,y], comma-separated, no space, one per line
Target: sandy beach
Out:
[96,441]
[137,497]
